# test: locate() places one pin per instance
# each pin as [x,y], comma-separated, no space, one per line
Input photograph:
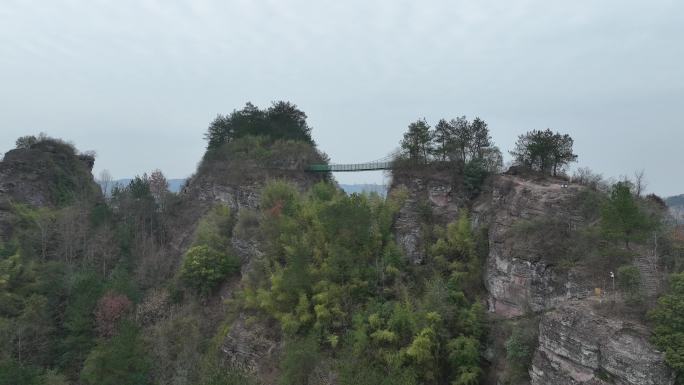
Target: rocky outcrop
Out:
[49,173]
[650,274]
[577,345]
[249,345]
[431,198]
[525,272]
[520,277]
[253,348]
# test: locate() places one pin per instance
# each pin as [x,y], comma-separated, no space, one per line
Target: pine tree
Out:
[417,141]
[443,138]
[621,216]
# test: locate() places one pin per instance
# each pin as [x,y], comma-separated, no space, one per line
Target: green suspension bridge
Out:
[379,164]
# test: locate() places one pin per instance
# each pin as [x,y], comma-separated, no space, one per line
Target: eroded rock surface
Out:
[434,198]
[519,277]
[577,346]
[47,174]
[251,346]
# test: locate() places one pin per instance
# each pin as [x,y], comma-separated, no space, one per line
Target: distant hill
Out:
[381,189]
[676,204]
[677,200]
[176,184]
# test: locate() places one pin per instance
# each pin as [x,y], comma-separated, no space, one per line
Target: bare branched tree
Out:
[158,184]
[105,179]
[640,182]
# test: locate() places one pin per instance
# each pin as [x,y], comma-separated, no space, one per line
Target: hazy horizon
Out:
[139,82]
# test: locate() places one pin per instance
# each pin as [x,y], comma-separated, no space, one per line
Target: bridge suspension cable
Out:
[384,163]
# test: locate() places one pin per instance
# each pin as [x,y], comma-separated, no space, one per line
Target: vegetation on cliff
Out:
[336,282]
[545,151]
[281,121]
[668,317]
[145,286]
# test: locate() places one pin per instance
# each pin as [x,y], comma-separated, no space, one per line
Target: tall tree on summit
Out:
[282,120]
[480,138]
[545,151]
[443,137]
[416,142]
[462,138]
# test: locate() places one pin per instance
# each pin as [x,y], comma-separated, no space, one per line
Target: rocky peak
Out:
[49,173]
[236,178]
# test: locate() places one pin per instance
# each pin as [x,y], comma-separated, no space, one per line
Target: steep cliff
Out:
[579,345]
[523,269]
[543,259]
[432,198]
[236,178]
[48,173]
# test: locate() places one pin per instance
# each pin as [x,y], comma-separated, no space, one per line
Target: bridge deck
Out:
[350,167]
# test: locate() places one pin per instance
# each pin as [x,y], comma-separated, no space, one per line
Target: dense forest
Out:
[143,286]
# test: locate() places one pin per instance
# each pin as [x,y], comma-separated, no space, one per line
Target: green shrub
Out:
[215,228]
[120,360]
[204,268]
[629,281]
[520,348]
[668,317]
[474,175]
[299,359]
[622,219]
[13,373]
[52,377]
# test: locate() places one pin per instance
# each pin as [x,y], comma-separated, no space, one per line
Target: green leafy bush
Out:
[204,268]
[520,348]
[668,317]
[629,281]
[621,217]
[215,228]
[120,360]
[298,361]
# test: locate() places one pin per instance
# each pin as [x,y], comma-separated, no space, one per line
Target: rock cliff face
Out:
[250,346]
[577,345]
[47,174]
[432,197]
[520,276]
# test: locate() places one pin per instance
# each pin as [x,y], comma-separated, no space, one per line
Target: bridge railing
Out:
[350,167]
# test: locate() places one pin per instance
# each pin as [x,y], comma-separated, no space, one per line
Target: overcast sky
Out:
[139,81]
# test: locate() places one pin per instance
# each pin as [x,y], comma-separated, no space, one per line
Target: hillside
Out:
[260,272]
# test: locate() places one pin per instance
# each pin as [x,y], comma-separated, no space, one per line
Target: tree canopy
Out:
[417,141]
[456,141]
[282,120]
[545,151]
[621,216]
[335,281]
